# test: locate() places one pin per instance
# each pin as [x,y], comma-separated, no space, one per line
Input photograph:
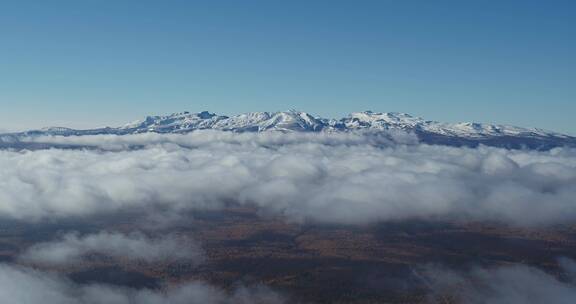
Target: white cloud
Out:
[72,248]
[211,137]
[27,286]
[340,178]
[513,284]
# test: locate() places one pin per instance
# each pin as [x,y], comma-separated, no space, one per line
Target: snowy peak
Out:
[293,121]
[394,120]
[381,121]
[389,117]
[434,132]
[177,122]
[255,121]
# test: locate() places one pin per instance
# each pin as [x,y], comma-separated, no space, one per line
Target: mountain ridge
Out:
[428,131]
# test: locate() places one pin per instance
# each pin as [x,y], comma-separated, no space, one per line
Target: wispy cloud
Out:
[514,284]
[25,285]
[71,248]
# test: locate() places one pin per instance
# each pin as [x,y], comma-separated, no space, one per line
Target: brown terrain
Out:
[306,262]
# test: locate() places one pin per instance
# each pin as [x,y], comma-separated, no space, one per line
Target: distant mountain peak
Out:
[465,133]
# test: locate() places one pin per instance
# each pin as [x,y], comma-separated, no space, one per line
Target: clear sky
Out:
[89,63]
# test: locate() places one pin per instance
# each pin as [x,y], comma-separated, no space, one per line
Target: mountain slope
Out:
[432,132]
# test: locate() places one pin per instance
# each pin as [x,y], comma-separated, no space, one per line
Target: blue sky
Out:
[92,63]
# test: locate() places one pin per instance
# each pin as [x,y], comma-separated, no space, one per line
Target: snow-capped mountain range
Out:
[432,132]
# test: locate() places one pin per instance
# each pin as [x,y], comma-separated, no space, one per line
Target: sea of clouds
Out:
[347,179]
[335,178]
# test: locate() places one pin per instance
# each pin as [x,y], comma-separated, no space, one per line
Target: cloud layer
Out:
[71,248]
[331,178]
[337,178]
[24,285]
[515,284]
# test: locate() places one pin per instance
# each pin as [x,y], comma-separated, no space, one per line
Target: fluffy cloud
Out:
[339,178]
[27,286]
[135,246]
[211,137]
[517,284]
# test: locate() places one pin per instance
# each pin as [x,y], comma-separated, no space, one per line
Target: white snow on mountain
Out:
[295,121]
[302,121]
